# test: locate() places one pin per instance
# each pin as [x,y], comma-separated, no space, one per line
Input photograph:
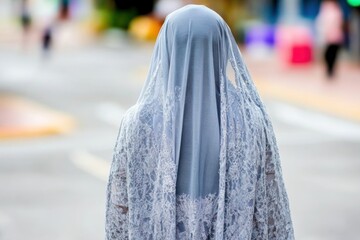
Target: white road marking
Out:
[110,113]
[91,164]
[317,122]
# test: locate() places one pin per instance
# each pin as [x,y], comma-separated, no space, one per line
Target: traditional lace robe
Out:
[196,157]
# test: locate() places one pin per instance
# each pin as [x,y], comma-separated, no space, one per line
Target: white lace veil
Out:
[196,157]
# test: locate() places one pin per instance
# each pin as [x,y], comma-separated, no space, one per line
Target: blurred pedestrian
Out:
[25,19]
[331,24]
[64,10]
[47,40]
[196,156]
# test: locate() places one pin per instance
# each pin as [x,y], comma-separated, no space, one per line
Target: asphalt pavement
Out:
[52,186]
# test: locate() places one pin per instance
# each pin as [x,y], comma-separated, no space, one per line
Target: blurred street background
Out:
[69,69]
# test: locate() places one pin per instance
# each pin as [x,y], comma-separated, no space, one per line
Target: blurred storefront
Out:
[309,9]
[264,18]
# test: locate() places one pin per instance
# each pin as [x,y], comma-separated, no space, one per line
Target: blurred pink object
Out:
[294,44]
[165,7]
[330,22]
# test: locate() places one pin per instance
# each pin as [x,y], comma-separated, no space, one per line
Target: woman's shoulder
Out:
[130,113]
[137,124]
[137,116]
[129,118]
[125,127]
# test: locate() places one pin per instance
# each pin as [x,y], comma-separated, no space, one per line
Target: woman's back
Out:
[196,157]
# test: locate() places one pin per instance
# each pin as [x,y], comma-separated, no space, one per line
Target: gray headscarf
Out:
[196,157]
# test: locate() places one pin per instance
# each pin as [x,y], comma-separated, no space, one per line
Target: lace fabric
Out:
[149,196]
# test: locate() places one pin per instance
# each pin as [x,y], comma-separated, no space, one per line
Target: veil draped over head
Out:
[196,157]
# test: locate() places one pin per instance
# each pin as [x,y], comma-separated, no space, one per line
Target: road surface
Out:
[53,187]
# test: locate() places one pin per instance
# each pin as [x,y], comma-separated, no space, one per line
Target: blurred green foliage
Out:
[119,13]
[120,18]
[111,17]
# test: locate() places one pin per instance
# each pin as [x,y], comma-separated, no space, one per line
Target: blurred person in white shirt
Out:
[330,25]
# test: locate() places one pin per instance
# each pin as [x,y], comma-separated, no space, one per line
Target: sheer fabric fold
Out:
[196,156]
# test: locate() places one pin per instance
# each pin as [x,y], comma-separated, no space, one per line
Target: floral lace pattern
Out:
[199,212]
[251,203]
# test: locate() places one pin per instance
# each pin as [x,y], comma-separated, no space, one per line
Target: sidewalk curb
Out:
[35,120]
[332,105]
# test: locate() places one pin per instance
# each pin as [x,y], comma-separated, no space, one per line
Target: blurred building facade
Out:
[305,12]
[296,13]
[273,10]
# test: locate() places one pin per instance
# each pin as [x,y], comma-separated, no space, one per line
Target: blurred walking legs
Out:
[47,41]
[330,55]
[330,21]
[25,19]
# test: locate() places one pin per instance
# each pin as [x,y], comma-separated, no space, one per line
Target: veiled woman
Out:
[196,157]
